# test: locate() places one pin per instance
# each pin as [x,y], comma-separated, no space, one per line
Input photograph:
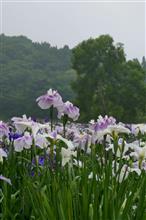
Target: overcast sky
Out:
[61,23]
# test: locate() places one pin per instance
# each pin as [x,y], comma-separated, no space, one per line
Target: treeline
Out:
[27,70]
[107,83]
[95,75]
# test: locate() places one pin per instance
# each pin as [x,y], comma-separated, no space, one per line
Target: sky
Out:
[70,22]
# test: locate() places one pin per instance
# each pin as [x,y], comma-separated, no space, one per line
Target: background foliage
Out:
[103,81]
[107,83]
[27,70]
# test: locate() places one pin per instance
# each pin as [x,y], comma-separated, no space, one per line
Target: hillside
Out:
[28,69]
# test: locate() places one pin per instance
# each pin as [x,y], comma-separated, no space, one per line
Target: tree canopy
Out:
[27,70]
[106,83]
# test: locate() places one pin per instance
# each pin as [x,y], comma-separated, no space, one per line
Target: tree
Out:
[106,83]
[144,63]
[27,70]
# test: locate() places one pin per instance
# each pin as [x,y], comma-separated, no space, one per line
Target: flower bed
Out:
[66,171]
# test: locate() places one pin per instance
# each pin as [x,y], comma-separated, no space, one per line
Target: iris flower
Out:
[70,110]
[51,98]
[4,130]
[102,123]
[66,155]
[23,142]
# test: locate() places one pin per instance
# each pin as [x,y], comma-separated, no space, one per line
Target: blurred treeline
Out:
[28,70]
[95,75]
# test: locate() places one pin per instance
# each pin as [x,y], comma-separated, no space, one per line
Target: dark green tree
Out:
[27,70]
[106,83]
[144,63]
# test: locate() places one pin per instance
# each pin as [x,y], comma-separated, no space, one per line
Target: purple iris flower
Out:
[51,98]
[13,136]
[46,119]
[70,110]
[4,130]
[33,119]
[23,142]
[41,161]
[102,123]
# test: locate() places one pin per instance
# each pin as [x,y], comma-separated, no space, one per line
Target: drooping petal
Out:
[51,98]
[19,144]
[5,179]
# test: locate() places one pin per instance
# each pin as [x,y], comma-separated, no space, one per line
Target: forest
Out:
[28,69]
[95,75]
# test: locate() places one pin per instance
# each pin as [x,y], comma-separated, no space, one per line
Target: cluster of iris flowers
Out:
[49,145]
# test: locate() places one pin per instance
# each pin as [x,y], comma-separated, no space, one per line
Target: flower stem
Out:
[65,119]
[51,117]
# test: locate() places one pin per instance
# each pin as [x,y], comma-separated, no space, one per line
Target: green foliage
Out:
[67,193]
[27,70]
[106,83]
[144,63]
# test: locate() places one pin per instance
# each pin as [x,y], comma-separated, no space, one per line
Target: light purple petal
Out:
[5,179]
